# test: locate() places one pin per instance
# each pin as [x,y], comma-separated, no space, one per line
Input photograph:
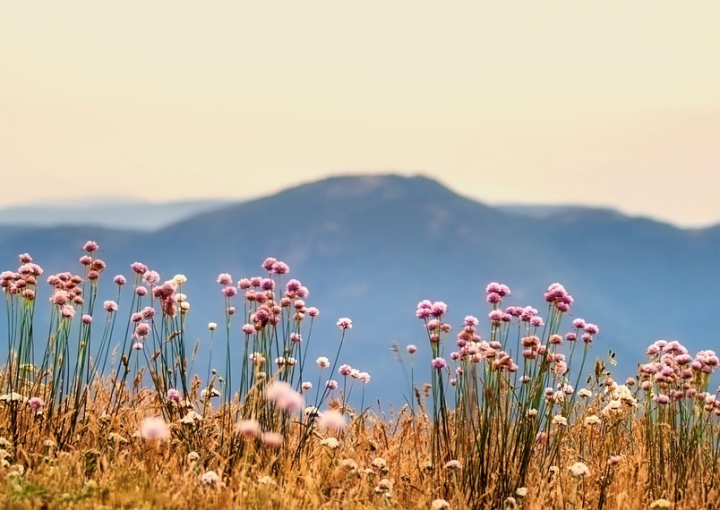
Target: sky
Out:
[599,103]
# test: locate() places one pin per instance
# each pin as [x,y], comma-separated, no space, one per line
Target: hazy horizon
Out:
[561,103]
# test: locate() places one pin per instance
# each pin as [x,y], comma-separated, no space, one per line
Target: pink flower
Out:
[224,279]
[439,363]
[174,395]
[138,268]
[36,403]
[248,329]
[364,377]
[90,246]
[86,319]
[411,349]
[154,429]
[344,323]
[248,428]
[67,312]
[345,370]
[229,291]
[151,277]
[331,384]
[280,268]
[438,308]
[284,396]
[140,291]
[120,280]
[267,264]
[272,439]
[110,306]
[313,312]
[331,419]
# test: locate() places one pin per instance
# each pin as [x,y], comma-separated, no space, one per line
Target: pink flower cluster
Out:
[675,372]
[557,296]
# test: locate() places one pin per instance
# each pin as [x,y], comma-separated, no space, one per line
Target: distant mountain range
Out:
[110,213]
[370,248]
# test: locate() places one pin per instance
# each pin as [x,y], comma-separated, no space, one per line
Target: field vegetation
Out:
[108,409]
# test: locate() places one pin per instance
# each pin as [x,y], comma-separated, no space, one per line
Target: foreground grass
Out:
[101,414]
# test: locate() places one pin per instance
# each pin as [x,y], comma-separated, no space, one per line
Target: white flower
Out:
[179,279]
[591,420]
[440,504]
[212,326]
[559,420]
[322,362]
[209,478]
[330,442]
[379,462]
[579,469]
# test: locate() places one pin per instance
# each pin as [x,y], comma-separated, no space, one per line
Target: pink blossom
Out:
[139,268]
[411,349]
[224,279]
[313,312]
[110,306]
[439,363]
[331,419]
[120,280]
[152,429]
[272,439]
[90,246]
[86,319]
[344,323]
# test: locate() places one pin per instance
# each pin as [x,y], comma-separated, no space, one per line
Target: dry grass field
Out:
[101,412]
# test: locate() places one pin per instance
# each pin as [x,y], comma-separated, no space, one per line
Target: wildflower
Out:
[364,377]
[248,428]
[331,384]
[179,279]
[411,349]
[521,492]
[110,306]
[344,323]
[138,346]
[67,312]
[212,326]
[379,463]
[591,420]
[90,246]
[151,278]
[510,503]
[306,385]
[224,279]
[660,504]
[453,464]
[559,420]
[190,418]
[439,363]
[229,292]
[579,470]
[440,504]
[86,319]
[174,395]
[155,428]
[384,486]
[345,370]
[36,403]
[322,362]
[141,291]
[330,442]
[248,329]
[313,312]
[209,478]
[614,460]
[266,480]
[349,464]
[331,419]
[272,439]
[193,456]
[284,396]
[584,393]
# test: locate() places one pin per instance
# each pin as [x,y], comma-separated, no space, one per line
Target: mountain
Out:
[370,248]
[110,213]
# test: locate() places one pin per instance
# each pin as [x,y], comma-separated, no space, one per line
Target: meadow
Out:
[106,408]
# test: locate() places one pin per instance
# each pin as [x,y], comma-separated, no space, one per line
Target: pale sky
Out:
[610,103]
